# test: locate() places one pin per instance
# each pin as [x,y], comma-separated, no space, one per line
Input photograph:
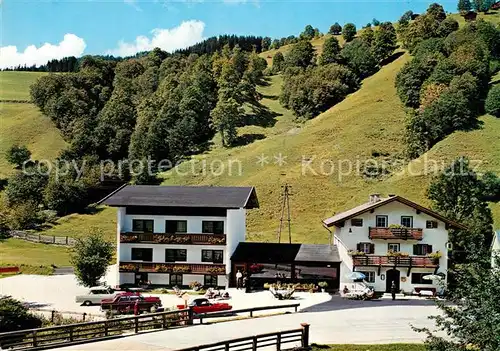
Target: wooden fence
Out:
[299,338]
[77,333]
[46,239]
[251,310]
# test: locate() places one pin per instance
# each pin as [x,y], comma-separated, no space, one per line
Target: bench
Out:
[9,270]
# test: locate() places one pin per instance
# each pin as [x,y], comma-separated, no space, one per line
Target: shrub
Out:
[14,316]
[17,155]
[492,104]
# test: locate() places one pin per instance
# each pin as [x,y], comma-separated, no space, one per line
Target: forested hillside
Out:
[324,113]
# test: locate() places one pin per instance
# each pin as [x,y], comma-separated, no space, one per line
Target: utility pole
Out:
[285,204]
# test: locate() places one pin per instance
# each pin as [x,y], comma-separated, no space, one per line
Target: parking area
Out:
[58,293]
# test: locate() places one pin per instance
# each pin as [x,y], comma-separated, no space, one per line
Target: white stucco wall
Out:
[236,225]
[193,252]
[350,236]
[194,223]
[127,278]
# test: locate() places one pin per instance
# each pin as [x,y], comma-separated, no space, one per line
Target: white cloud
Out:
[186,34]
[71,45]
[132,3]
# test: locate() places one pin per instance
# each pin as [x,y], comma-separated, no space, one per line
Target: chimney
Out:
[374,198]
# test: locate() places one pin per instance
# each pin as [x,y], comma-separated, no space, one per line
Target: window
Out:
[366,248]
[381,221]
[211,280]
[142,254]
[213,227]
[175,279]
[393,247]
[175,226]
[142,225]
[357,222]
[407,221]
[370,277]
[431,224]
[175,255]
[214,256]
[422,249]
[416,278]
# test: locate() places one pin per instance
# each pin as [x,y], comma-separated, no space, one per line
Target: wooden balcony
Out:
[395,261]
[395,233]
[178,268]
[184,239]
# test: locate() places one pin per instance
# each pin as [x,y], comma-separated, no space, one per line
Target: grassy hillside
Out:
[368,123]
[22,123]
[15,85]
[491,16]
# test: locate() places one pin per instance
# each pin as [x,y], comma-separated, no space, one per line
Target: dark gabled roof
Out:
[317,253]
[284,253]
[344,216]
[183,196]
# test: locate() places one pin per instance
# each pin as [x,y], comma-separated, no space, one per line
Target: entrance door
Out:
[392,275]
[141,278]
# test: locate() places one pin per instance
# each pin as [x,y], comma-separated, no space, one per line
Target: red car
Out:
[204,306]
[125,303]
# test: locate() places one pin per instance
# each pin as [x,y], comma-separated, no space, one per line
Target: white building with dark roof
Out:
[174,235]
[392,240]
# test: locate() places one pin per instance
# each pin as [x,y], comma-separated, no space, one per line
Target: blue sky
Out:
[99,26]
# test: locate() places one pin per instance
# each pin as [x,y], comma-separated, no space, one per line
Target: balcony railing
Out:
[396,233]
[398,261]
[179,268]
[193,239]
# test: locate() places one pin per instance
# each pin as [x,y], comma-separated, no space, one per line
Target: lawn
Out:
[15,85]
[24,124]
[389,347]
[32,257]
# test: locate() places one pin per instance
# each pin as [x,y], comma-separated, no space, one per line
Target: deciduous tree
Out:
[384,41]
[335,29]
[331,51]
[90,258]
[492,104]
[301,55]
[349,32]
[278,62]
[464,6]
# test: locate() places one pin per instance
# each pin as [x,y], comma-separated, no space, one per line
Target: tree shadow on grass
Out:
[3,183]
[246,139]
[260,116]
[391,58]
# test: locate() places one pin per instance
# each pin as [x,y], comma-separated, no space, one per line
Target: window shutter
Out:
[429,248]
[372,248]
[358,247]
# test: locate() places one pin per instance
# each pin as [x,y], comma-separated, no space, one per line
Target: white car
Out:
[95,295]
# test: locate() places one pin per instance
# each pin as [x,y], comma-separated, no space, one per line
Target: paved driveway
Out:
[333,322]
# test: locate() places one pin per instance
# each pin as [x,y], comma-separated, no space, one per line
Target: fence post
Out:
[70,333]
[106,328]
[54,239]
[35,343]
[164,321]
[39,238]
[254,343]
[52,315]
[305,334]
[190,316]
[251,313]
[136,324]
[66,240]
[84,314]
[226,347]
[296,308]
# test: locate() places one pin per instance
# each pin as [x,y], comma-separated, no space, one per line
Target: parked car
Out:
[203,305]
[125,303]
[95,295]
